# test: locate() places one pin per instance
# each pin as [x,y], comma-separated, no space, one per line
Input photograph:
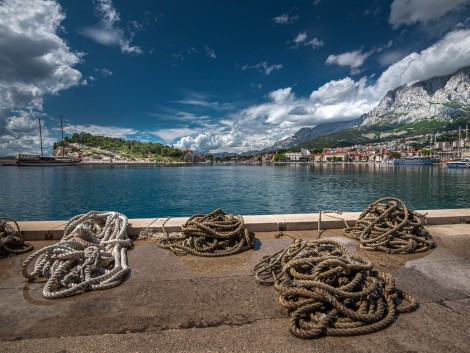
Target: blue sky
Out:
[213,75]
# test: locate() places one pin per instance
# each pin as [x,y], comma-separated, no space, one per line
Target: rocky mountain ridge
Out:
[307,134]
[438,98]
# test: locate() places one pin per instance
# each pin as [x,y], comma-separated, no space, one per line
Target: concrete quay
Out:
[53,230]
[190,304]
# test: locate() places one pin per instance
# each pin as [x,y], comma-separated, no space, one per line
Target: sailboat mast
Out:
[62,129]
[466,138]
[40,135]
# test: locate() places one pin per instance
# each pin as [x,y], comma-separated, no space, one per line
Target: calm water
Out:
[58,193]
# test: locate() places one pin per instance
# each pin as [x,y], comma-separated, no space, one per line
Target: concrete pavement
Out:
[192,304]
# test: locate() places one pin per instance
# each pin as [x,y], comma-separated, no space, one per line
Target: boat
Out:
[415,161]
[23,159]
[461,163]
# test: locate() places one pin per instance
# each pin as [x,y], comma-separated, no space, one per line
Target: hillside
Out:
[101,148]
[378,133]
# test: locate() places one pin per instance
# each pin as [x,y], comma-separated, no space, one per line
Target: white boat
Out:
[415,161]
[461,163]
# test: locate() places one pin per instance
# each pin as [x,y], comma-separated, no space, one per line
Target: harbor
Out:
[174,303]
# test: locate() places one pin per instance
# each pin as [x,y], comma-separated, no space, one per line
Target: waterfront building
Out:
[302,156]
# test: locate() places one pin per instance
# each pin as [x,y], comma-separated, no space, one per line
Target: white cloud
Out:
[169,135]
[352,59]
[303,39]
[408,12]
[442,58]
[263,67]
[208,141]
[285,19]
[104,72]
[283,113]
[210,52]
[34,62]
[108,32]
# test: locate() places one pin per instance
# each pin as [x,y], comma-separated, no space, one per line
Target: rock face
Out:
[439,98]
[307,134]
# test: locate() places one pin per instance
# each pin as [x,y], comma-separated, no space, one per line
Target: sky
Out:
[212,75]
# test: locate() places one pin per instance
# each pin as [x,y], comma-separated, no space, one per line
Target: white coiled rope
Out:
[91,255]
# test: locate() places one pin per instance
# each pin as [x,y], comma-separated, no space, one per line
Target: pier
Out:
[190,304]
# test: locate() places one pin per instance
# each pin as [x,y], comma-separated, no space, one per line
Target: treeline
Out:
[125,147]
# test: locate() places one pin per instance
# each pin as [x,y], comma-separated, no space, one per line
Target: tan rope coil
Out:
[215,234]
[329,291]
[11,239]
[92,255]
[389,225]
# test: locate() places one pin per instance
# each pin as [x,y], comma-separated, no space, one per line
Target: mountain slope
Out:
[306,134]
[439,98]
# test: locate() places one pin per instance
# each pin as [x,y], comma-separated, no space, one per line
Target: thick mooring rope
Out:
[215,234]
[11,240]
[329,291]
[92,255]
[388,225]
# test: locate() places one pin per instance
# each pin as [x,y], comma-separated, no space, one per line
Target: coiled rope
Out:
[92,255]
[329,291]
[214,234]
[388,225]
[11,240]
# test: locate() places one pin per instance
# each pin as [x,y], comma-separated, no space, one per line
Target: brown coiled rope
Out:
[11,240]
[329,291]
[388,225]
[215,234]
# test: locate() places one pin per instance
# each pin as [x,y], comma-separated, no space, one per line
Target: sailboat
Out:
[462,162]
[23,159]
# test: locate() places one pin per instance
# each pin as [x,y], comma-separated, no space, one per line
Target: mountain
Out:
[439,98]
[307,134]
[424,107]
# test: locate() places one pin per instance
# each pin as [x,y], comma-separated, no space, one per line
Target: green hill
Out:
[130,149]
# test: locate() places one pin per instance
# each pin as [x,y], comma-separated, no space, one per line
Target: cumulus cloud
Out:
[408,12]
[442,58]
[109,32]
[352,59]
[302,39]
[263,67]
[283,113]
[34,62]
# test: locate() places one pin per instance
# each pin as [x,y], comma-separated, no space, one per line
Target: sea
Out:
[151,191]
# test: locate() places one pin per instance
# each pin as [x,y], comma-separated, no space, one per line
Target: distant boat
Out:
[461,163]
[415,161]
[23,159]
